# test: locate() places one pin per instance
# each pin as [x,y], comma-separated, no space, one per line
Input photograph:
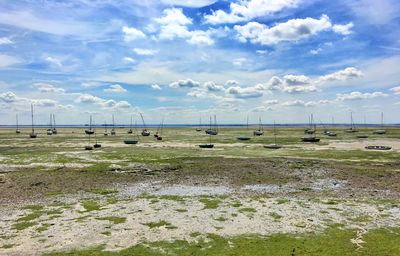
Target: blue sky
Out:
[181,60]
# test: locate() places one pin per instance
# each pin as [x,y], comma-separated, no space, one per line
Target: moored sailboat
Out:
[32,134]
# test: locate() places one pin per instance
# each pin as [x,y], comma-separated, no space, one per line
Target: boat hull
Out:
[131,142]
[206,145]
[310,139]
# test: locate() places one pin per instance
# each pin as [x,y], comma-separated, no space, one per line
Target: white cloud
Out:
[156,87]
[213,87]
[48,88]
[189,3]
[91,99]
[54,61]
[292,30]
[239,61]
[145,52]
[7,60]
[247,10]
[115,88]
[315,51]
[396,90]
[291,84]
[359,96]
[12,98]
[271,102]
[246,92]
[301,103]
[90,84]
[174,25]
[132,34]
[5,40]
[342,75]
[187,83]
[128,60]
[343,29]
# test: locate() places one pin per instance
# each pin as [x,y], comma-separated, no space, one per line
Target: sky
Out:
[177,60]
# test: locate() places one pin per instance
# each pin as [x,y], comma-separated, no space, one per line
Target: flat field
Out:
[171,197]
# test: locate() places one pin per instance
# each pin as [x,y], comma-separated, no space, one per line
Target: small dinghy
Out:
[97,145]
[310,139]
[206,145]
[88,147]
[131,142]
[362,136]
[243,138]
[378,147]
[273,146]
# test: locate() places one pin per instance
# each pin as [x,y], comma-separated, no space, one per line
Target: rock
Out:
[2,178]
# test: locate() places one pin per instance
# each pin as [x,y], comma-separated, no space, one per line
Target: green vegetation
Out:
[333,242]
[113,219]
[247,209]
[158,224]
[7,246]
[210,203]
[275,215]
[91,206]
[23,225]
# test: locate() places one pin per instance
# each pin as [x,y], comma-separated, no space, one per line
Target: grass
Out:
[7,246]
[91,206]
[113,219]
[275,215]
[23,225]
[333,242]
[161,223]
[247,209]
[210,203]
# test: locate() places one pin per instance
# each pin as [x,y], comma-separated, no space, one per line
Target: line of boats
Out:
[133,135]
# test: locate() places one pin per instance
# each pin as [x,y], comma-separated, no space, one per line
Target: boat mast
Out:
[90,124]
[33,130]
[16,117]
[274,133]
[382,120]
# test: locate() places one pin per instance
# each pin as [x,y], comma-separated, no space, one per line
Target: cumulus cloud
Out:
[186,83]
[145,52]
[54,61]
[128,60]
[189,3]
[359,96]
[342,75]
[174,25]
[7,60]
[301,103]
[5,40]
[90,84]
[213,87]
[316,51]
[396,90]
[156,87]
[48,88]
[115,88]
[291,84]
[91,99]
[12,98]
[271,102]
[247,10]
[343,29]
[292,30]
[246,92]
[132,34]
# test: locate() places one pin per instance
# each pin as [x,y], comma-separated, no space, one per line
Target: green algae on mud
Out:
[333,242]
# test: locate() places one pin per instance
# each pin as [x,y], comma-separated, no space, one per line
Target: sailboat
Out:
[311,129]
[89,147]
[327,131]
[211,130]
[90,130]
[209,145]
[32,134]
[380,131]
[105,129]
[130,127]
[273,146]
[113,127]
[363,136]
[312,137]
[50,129]
[247,128]
[352,126]
[96,145]
[145,132]
[54,124]
[260,130]
[198,129]
[132,140]
[16,119]
[158,134]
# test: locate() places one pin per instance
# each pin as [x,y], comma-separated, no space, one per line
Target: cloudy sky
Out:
[181,60]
